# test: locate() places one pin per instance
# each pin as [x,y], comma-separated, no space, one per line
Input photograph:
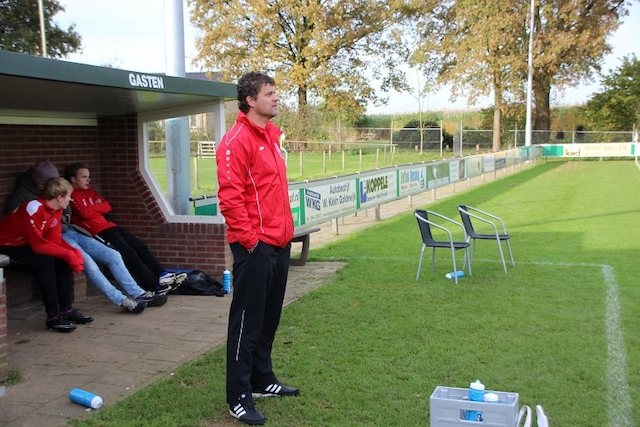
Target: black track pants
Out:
[259,284]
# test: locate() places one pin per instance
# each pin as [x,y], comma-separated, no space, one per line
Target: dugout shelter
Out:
[66,112]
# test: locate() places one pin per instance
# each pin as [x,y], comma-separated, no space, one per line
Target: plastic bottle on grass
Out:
[454,274]
[85,398]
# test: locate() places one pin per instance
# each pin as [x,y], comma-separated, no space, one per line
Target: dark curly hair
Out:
[249,85]
[71,170]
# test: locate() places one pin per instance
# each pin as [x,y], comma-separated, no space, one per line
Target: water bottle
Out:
[454,274]
[226,281]
[85,398]
[475,394]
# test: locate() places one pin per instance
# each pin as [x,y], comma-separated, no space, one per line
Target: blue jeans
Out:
[95,253]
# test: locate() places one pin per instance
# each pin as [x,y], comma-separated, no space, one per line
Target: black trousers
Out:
[259,284]
[53,276]
[137,256]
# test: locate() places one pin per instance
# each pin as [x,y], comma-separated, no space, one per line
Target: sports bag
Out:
[199,283]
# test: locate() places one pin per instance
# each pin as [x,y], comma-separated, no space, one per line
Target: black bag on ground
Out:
[199,283]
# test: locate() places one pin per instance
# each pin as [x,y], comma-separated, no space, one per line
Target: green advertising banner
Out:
[437,175]
[294,201]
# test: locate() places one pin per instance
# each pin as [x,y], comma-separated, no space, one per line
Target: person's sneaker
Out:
[152,299]
[163,290]
[167,279]
[275,389]
[76,317]
[179,279]
[60,325]
[245,411]
[135,307]
[169,282]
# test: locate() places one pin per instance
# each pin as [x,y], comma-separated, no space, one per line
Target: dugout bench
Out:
[302,235]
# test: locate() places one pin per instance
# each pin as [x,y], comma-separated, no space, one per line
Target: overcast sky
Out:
[129,34]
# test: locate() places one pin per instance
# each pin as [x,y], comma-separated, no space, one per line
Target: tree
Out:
[569,44]
[476,46]
[20,29]
[322,53]
[617,107]
[481,47]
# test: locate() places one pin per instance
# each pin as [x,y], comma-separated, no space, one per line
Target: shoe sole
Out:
[158,301]
[251,423]
[260,395]
[79,322]
[65,330]
[136,310]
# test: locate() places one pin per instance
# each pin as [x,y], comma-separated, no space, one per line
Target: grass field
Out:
[368,348]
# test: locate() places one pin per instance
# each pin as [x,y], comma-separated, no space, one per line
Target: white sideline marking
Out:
[619,406]
[618,399]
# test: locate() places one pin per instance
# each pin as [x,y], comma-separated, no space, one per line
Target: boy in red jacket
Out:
[31,236]
[88,210]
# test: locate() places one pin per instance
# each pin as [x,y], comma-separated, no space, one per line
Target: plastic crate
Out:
[449,406]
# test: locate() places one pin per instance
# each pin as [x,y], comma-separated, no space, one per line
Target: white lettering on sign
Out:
[146,80]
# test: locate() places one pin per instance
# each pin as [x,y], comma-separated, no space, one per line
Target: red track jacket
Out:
[252,185]
[89,209]
[35,224]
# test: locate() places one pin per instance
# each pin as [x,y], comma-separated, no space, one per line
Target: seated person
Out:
[96,253]
[88,210]
[28,186]
[31,235]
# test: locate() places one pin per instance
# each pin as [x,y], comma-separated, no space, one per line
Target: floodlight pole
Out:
[43,36]
[527,133]
[178,146]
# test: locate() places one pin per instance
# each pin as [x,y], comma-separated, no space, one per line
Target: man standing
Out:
[254,200]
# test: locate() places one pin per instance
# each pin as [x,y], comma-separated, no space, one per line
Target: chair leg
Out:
[455,268]
[504,264]
[467,259]
[433,260]
[420,263]
[472,252]
[513,261]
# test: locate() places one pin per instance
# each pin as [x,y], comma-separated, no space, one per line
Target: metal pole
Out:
[527,136]
[177,129]
[43,36]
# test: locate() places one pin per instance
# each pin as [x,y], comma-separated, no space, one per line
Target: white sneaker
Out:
[167,279]
[179,279]
[170,282]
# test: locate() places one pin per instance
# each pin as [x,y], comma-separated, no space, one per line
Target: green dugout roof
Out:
[31,86]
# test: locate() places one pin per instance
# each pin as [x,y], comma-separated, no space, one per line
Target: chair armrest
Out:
[497,218]
[439,227]
[481,219]
[446,218]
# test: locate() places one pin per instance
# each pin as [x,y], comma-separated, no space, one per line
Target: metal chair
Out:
[427,229]
[491,223]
